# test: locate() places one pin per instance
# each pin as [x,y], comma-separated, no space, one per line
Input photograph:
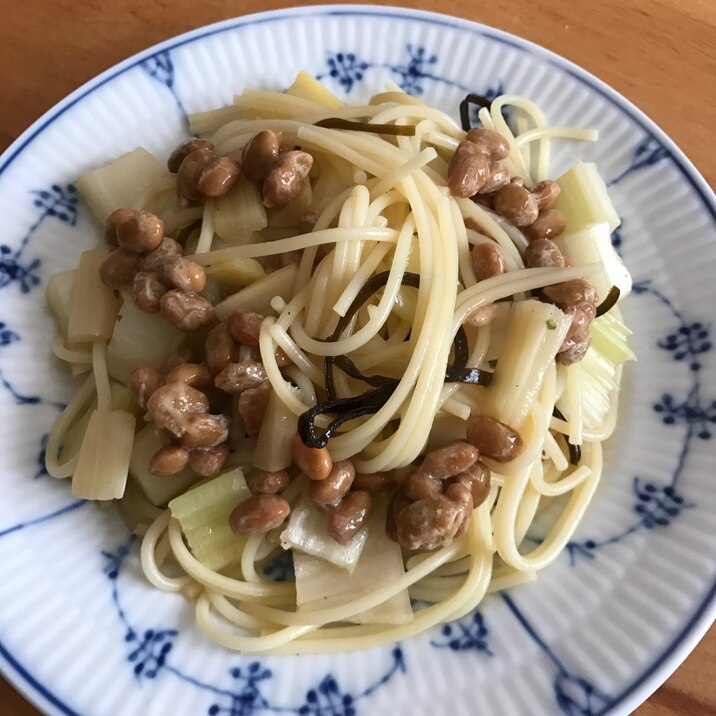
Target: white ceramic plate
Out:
[80,630]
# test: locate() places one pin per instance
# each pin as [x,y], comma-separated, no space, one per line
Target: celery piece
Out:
[122,399]
[58,296]
[240,213]
[139,338]
[103,463]
[257,297]
[598,379]
[204,517]
[123,182]
[235,274]
[609,336]
[307,87]
[159,489]
[205,122]
[591,244]
[94,306]
[307,532]
[534,335]
[584,198]
[320,584]
[273,444]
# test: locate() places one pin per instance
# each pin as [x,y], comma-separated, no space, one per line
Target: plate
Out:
[80,630]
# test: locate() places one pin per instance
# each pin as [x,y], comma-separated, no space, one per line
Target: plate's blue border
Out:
[698,622]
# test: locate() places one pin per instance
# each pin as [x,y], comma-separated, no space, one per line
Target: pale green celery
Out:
[159,489]
[122,399]
[307,532]
[584,198]
[139,338]
[58,296]
[533,337]
[598,380]
[592,244]
[609,336]
[203,513]
[320,584]
[103,464]
[94,306]
[257,297]
[123,182]
[240,213]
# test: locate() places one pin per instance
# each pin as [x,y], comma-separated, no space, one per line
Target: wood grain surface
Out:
[660,54]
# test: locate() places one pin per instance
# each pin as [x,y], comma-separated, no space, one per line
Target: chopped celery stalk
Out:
[235,274]
[94,306]
[591,244]
[58,296]
[307,87]
[205,122]
[320,584]
[609,336]
[277,105]
[534,335]
[204,517]
[240,213]
[159,489]
[139,338]
[122,399]
[307,532]
[125,182]
[598,379]
[257,297]
[273,444]
[584,198]
[103,463]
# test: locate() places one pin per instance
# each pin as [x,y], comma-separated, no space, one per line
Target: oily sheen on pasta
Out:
[358,340]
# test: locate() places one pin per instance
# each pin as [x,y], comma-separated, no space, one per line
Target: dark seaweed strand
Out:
[609,301]
[575,452]
[346,408]
[394,130]
[477,99]
[369,288]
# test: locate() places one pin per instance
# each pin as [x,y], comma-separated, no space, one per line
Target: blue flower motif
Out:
[414,71]
[647,153]
[160,67]
[657,505]
[688,341]
[577,697]
[114,560]
[7,336]
[58,202]
[150,652]
[327,699]
[346,68]
[247,697]
[469,634]
[690,411]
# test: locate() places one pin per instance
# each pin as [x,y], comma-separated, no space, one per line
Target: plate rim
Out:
[701,619]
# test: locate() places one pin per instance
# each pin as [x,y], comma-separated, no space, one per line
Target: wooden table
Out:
[658,53]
